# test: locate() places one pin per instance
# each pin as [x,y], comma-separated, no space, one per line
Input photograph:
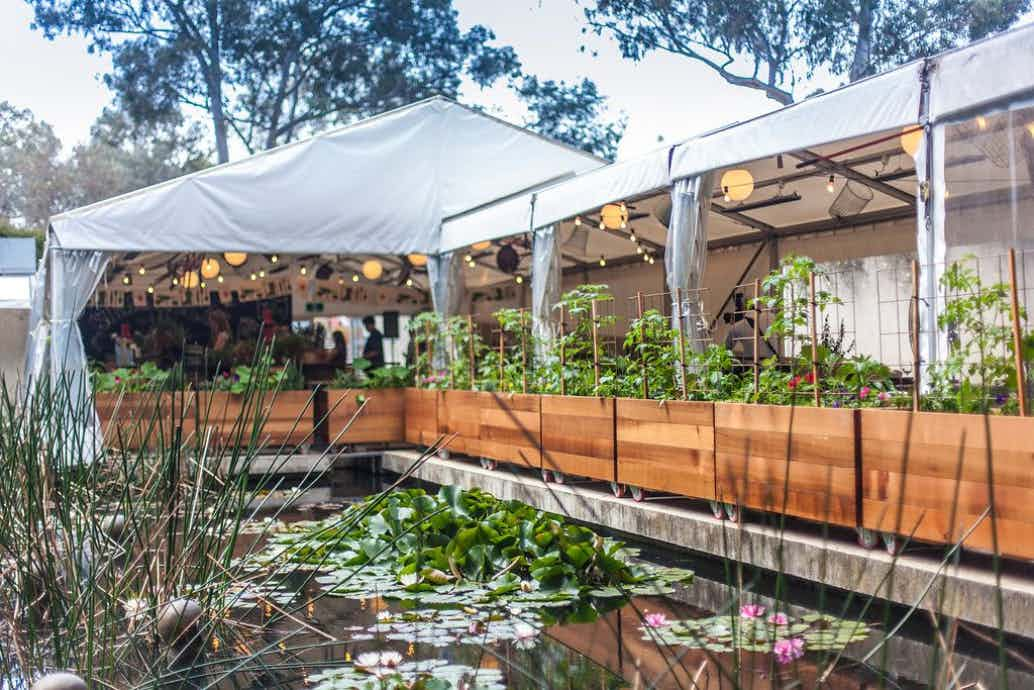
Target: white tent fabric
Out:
[879,103]
[686,257]
[556,202]
[381,186]
[986,71]
[546,279]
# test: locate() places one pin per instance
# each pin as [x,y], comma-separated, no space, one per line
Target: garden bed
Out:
[383,419]
[459,416]
[578,437]
[794,460]
[510,428]
[666,446]
[421,415]
[931,474]
[288,418]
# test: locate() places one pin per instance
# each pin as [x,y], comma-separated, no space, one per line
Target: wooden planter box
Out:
[666,446]
[421,414]
[288,418]
[794,460]
[932,473]
[383,419]
[131,421]
[578,436]
[459,413]
[510,428]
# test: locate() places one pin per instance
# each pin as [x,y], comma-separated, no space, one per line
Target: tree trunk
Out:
[215,82]
[861,65]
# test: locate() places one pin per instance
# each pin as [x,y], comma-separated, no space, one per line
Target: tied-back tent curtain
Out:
[447,283]
[57,356]
[546,276]
[685,256]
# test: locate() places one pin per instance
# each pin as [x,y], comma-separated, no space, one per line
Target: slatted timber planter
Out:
[459,413]
[510,428]
[930,475]
[578,436]
[666,446]
[287,416]
[130,421]
[421,413]
[383,419]
[794,460]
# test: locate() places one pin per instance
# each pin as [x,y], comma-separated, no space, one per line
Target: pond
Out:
[670,641]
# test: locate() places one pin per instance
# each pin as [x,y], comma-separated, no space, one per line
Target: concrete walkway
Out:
[964,591]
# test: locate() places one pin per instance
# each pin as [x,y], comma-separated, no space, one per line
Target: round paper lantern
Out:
[372,269]
[235,259]
[417,259]
[480,246]
[737,185]
[614,216]
[911,139]
[191,280]
[209,268]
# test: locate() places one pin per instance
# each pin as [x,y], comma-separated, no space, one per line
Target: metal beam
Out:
[884,215]
[852,174]
[743,218]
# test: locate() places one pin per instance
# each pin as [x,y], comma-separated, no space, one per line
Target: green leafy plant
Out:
[361,376]
[262,373]
[147,377]
[653,347]
[425,332]
[577,370]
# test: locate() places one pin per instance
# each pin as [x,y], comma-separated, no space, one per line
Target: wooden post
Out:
[756,359]
[814,342]
[595,349]
[915,336]
[642,345]
[563,353]
[470,349]
[502,355]
[524,355]
[429,348]
[1017,336]
[682,340]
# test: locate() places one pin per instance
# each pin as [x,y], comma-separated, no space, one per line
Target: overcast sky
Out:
[663,96]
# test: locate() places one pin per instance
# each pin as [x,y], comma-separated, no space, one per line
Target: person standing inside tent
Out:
[373,349]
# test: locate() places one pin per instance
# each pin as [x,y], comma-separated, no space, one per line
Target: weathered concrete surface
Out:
[966,592]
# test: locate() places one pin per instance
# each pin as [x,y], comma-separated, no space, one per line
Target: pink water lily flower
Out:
[864,393]
[655,620]
[778,619]
[787,651]
[752,610]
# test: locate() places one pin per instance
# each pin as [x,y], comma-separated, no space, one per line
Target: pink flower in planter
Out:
[864,393]
[778,619]
[752,610]
[883,396]
[118,379]
[655,620]
[787,651]
[793,383]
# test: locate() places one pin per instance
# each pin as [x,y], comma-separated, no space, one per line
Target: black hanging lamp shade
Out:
[507,259]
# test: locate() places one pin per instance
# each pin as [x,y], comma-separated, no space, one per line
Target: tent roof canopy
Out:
[379,186]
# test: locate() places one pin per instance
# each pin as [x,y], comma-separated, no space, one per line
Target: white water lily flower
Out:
[524,635]
[529,586]
[378,664]
[408,579]
[384,615]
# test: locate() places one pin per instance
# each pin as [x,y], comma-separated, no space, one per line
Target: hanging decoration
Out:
[235,259]
[209,268]
[614,216]
[507,259]
[417,260]
[191,280]
[737,185]
[481,246]
[911,139]
[372,269]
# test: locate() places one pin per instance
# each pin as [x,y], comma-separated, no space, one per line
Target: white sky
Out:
[664,95]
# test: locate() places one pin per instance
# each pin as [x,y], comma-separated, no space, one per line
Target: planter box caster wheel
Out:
[867,538]
[558,477]
[617,489]
[732,511]
[891,543]
[443,454]
[547,476]
[638,494]
[489,464]
[718,510]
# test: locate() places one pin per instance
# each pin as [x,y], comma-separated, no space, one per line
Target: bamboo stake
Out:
[642,345]
[524,355]
[429,346]
[814,342]
[915,336]
[563,353]
[470,349]
[682,341]
[1017,336]
[756,359]
[595,348]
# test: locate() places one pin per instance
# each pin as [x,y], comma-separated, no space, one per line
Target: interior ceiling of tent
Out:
[873,180]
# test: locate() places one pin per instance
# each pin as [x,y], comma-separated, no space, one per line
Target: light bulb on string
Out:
[262,273]
[519,279]
[639,249]
[254,277]
[633,237]
[355,277]
[603,261]
[203,285]
[469,259]
[646,258]
[150,289]
[831,184]
[409,282]
[303,270]
[603,226]
[175,282]
[220,279]
[142,270]
[577,220]
[126,280]
[273,259]
[340,281]
[727,197]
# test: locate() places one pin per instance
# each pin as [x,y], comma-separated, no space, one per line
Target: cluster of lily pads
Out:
[785,637]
